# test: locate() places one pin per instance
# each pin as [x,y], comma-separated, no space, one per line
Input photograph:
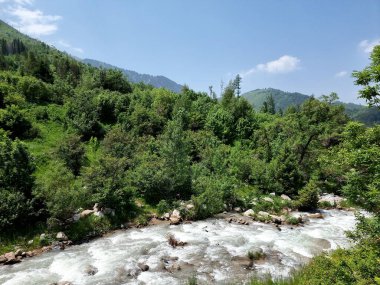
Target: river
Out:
[215,253]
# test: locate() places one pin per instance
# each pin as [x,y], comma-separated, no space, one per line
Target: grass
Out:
[9,241]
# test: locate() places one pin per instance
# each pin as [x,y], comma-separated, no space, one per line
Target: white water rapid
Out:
[215,254]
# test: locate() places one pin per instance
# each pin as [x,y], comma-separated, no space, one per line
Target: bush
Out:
[72,152]
[163,207]
[308,197]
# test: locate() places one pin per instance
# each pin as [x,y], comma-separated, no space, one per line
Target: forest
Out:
[72,135]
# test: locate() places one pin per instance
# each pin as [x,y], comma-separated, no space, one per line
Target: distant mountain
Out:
[156,81]
[283,100]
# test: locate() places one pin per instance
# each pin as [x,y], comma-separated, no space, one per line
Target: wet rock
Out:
[237,209]
[62,283]
[11,258]
[133,271]
[29,254]
[144,267]
[3,259]
[249,213]
[315,216]
[166,216]
[285,197]
[90,270]
[18,252]
[175,217]
[276,219]
[61,236]
[86,213]
[268,199]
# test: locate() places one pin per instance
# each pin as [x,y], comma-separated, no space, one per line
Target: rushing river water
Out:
[215,254]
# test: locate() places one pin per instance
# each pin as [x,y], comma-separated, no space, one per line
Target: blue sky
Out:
[294,45]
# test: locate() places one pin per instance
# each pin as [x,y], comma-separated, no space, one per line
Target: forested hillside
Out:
[283,100]
[133,76]
[72,135]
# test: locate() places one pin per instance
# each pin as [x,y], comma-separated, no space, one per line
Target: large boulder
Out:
[3,259]
[175,217]
[11,258]
[332,199]
[61,236]
[315,216]
[285,197]
[86,213]
[249,213]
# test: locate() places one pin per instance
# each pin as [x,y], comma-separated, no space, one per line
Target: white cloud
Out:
[367,46]
[341,73]
[30,21]
[69,46]
[284,64]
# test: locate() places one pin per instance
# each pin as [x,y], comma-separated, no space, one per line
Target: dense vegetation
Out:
[283,100]
[73,135]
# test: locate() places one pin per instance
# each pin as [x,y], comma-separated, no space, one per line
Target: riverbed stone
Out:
[249,213]
[315,216]
[11,258]
[90,270]
[61,236]
[144,267]
[18,252]
[3,259]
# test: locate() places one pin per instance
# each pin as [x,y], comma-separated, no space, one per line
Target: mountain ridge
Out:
[284,99]
[136,77]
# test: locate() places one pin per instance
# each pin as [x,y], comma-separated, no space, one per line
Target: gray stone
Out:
[268,199]
[61,236]
[249,213]
[144,267]
[90,270]
[285,197]
[30,242]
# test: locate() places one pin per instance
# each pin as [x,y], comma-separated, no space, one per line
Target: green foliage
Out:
[72,152]
[308,197]
[59,190]
[107,183]
[15,121]
[83,116]
[369,79]
[163,207]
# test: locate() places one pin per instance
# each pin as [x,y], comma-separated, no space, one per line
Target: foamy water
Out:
[215,254]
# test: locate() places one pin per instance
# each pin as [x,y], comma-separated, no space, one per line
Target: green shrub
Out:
[163,207]
[308,197]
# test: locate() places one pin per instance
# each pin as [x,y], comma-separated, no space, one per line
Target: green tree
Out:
[369,79]
[72,152]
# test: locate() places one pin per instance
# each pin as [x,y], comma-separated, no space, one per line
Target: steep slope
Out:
[283,100]
[156,81]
